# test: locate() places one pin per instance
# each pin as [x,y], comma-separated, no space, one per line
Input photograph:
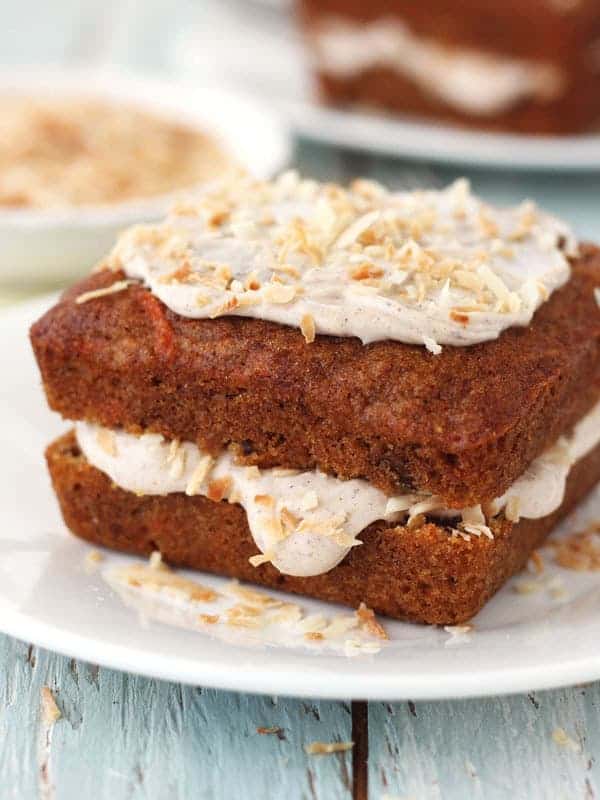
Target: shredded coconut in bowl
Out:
[77,152]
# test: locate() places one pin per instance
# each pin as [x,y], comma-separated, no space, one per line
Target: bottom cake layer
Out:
[419,574]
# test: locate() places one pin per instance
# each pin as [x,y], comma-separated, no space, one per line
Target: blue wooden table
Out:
[122,736]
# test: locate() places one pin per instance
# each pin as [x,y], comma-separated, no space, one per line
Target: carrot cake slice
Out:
[521,65]
[354,394]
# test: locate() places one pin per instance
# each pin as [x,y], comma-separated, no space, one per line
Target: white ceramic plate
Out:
[413,138]
[520,641]
[278,70]
[42,247]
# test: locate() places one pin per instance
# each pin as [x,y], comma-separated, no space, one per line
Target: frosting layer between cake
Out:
[306,522]
[473,81]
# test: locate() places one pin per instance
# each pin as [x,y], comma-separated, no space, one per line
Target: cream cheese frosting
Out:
[305,522]
[474,81]
[422,267]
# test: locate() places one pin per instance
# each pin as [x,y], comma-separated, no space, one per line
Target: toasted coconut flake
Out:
[597,295]
[580,551]
[353,231]
[528,587]
[251,596]
[209,619]
[396,505]
[162,580]
[219,489]
[107,441]
[265,500]
[309,501]
[284,472]
[199,475]
[279,293]
[458,630]
[511,510]
[326,748]
[289,520]
[93,558]
[156,561]
[479,530]
[50,711]
[562,739]
[536,563]
[432,345]
[176,459]
[269,730]
[260,558]
[307,326]
[118,286]
[369,622]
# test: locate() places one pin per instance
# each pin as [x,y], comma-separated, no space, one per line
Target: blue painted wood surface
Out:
[123,736]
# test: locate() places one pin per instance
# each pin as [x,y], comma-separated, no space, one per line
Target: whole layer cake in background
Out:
[354,394]
[530,66]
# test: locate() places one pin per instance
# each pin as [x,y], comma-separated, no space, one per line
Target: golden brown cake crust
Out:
[464,424]
[422,575]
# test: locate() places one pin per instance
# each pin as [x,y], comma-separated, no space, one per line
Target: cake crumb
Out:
[326,748]
[562,739]
[597,295]
[580,551]
[92,559]
[50,711]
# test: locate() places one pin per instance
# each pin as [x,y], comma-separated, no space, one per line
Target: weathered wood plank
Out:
[123,736]
[493,748]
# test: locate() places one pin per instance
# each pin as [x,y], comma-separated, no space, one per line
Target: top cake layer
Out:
[464,424]
[424,267]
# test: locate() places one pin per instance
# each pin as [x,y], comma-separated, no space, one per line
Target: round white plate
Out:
[520,642]
[40,247]
[278,71]
[429,141]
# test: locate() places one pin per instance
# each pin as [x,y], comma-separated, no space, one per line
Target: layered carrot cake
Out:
[354,394]
[521,65]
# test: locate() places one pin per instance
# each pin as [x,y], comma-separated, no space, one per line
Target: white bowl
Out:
[45,247]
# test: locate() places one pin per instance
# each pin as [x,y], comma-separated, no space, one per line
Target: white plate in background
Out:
[520,642]
[42,247]
[262,54]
